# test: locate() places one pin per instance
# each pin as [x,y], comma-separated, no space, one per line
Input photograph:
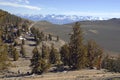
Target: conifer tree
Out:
[109,64]
[18,32]
[77,49]
[50,37]
[117,65]
[54,56]
[42,36]
[11,50]
[37,41]
[23,42]
[46,38]
[3,57]
[104,61]
[34,61]
[99,58]
[38,63]
[3,54]
[45,52]
[57,38]
[15,55]
[1,36]
[94,54]
[45,57]
[42,66]
[22,51]
[65,55]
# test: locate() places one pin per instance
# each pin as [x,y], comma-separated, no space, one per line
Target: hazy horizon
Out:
[99,8]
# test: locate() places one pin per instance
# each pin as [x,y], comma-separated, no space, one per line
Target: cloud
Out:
[106,14]
[26,1]
[23,1]
[19,5]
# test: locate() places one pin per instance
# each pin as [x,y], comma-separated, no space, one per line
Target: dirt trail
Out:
[32,25]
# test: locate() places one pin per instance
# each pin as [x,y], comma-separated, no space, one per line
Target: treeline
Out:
[9,19]
[41,36]
[74,55]
[6,18]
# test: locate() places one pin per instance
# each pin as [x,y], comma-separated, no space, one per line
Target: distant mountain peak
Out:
[60,19]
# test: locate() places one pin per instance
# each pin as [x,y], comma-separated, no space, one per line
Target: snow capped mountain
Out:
[60,19]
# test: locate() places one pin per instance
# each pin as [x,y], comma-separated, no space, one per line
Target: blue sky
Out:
[101,8]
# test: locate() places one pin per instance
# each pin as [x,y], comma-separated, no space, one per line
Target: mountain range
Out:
[60,19]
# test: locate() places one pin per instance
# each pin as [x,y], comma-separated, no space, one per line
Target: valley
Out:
[105,32]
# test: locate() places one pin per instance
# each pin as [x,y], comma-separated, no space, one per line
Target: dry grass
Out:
[73,75]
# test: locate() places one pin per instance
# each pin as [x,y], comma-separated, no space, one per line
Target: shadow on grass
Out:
[16,75]
[32,44]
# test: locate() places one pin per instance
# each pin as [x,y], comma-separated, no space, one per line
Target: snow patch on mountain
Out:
[60,19]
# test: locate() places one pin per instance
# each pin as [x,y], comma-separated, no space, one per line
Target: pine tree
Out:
[34,61]
[23,42]
[22,51]
[50,37]
[99,58]
[117,65]
[54,56]
[108,63]
[42,66]
[65,54]
[3,57]
[45,57]
[3,54]
[111,64]
[42,36]
[94,54]
[37,41]
[18,32]
[15,55]
[77,49]
[58,38]
[104,61]
[1,36]
[38,63]
[45,52]
[11,50]
[46,38]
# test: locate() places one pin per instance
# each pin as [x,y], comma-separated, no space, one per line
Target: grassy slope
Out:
[105,33]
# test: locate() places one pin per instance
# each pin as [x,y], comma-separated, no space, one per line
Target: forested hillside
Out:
[11,27]
[7,19]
